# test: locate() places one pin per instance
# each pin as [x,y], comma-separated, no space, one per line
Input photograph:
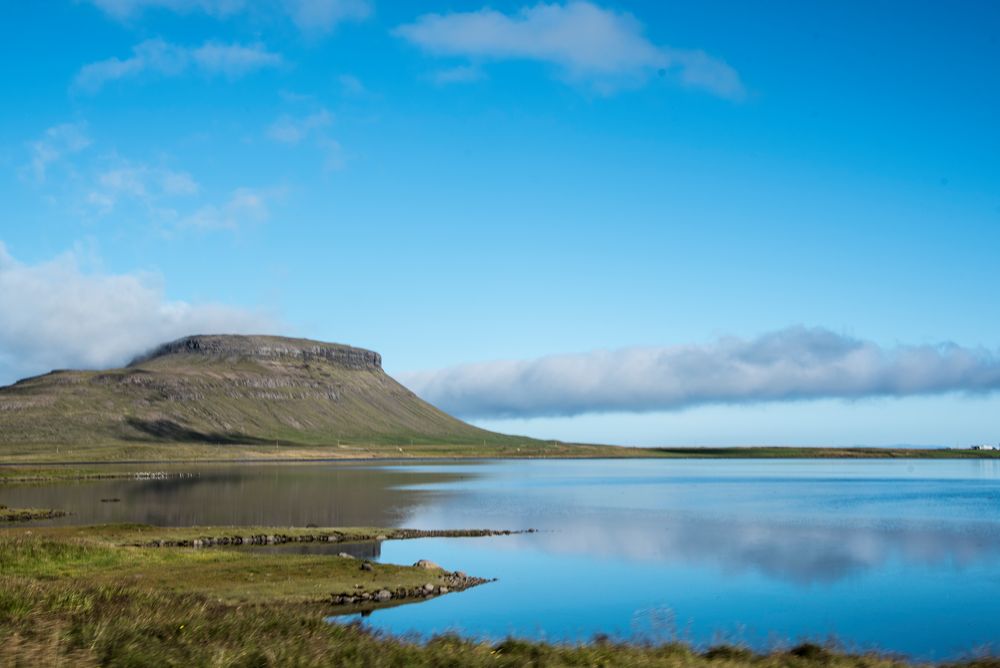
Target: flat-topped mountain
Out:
[229,390]
[233,346]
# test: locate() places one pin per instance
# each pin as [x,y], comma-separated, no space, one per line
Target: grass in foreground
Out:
[78,596]
[108,556]
[47,623]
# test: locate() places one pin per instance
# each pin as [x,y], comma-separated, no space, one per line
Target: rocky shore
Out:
[322,537]
[453,582]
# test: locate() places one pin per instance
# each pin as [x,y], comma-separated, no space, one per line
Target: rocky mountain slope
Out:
[251,390]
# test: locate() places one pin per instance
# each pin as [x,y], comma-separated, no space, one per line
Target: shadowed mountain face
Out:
[229,390]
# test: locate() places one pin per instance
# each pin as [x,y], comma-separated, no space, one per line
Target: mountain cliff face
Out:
[230,390]
[262,348]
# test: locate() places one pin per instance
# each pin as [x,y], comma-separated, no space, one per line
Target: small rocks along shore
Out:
[321,537]
[453,582]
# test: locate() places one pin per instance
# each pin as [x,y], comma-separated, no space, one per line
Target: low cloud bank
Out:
[57,315]
[791,364]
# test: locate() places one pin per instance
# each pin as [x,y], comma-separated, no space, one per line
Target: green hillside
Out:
[232,394]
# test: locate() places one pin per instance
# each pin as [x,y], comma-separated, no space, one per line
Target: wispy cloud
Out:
[102,183]
[588,43]
[143,184]
[244,206]
[178,183]
[791,364]
[55,143]
[310,16]
[126,9]
[157,57]
[167,198]
[313,16]
[60,313]
[293,129]
[457,75]
[352,86]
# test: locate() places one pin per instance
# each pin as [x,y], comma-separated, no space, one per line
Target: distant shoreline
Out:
[209,454]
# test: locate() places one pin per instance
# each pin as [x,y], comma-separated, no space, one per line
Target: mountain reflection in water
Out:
[900,555]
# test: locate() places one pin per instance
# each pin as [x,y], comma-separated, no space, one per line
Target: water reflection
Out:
[804,522]
[903,555]
[790,552]
[926,612]
[263,495]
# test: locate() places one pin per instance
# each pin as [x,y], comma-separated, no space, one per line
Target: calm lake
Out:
[899,555]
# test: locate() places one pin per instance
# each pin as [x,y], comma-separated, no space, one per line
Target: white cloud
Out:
[233,60]
[292,130]
[56,314]
[586,42]
[56,143]
[792,364]
[244,206]
[311,16]
[156,56]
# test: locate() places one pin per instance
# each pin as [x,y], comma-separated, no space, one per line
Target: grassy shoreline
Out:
[165,559]
[122,625]
[89,596]
[147,536]
[145,455]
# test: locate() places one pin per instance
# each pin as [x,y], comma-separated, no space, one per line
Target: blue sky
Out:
[457,184]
